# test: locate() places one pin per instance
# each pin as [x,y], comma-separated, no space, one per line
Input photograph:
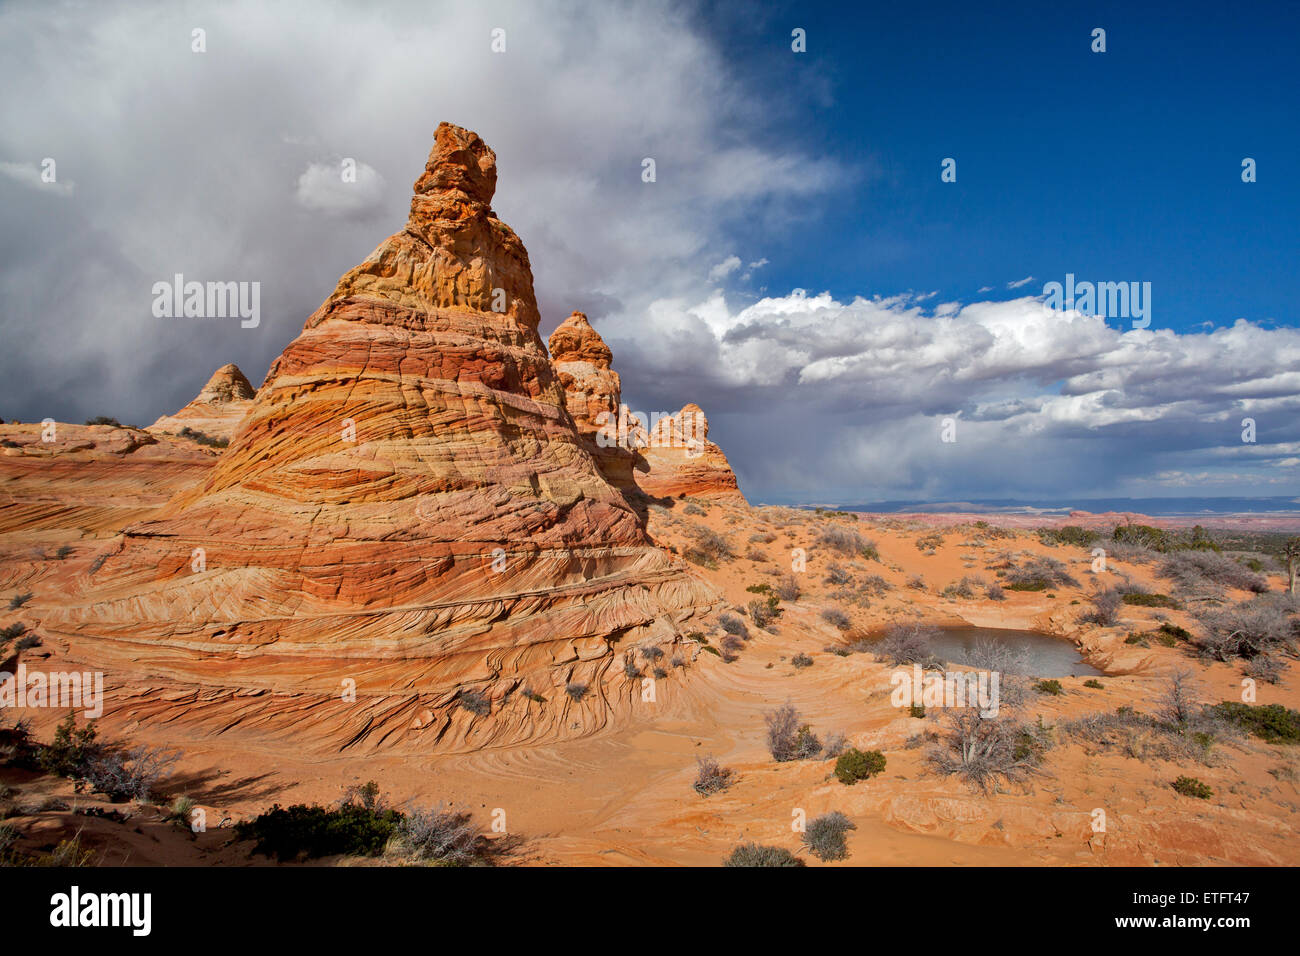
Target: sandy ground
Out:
[625,796]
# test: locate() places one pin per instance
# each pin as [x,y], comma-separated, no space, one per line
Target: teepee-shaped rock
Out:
[406,504]
[217,410]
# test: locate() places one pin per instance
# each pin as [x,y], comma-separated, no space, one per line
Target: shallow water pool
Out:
[1048,656]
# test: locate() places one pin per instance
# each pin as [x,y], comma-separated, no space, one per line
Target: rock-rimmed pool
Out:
[1047,656]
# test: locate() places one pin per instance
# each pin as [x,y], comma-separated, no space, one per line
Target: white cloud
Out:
[724,268]
[1019,282]
[324,188]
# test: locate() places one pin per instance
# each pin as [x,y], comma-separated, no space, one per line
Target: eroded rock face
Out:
[667,457]
[216,411]
[406,512]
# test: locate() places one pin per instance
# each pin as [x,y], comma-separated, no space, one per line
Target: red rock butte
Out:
[408,542]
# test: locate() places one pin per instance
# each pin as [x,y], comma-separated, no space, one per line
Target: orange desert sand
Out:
[418,499]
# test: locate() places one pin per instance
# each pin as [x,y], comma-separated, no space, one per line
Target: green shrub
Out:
[1093,684]
[1138,599]
[72,749]
[1069,534]
[916,710]
[854,765]
[801,661]
[1271,722]
[1052,687]
[307,832]
[1191,787]
[1174,631]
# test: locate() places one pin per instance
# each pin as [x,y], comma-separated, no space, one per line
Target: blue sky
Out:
[1123,164]
[797,267]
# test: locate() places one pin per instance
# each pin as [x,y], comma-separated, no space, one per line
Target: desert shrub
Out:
[839,650]
[762,537]
[1138,599]
[693,509]
[630,669]
[103,420]
[440,835]
[576,690]
[834,744]
[532,695]
[995,593]
[787,588]
[731,647]
[837,575]
[763,613]
[709,548]
[1269,722]
[1191,787]
[787,739]
[1265,667]
[847,541]
[1201,570]
[18,600]
[751,854]
[801,661]
[71,750]
[204,439]
[1069,535]
[958,589]
[836,617]
[475,701]
[733,625]
[1105,608]
[129,774]
[307,832]
[68,853]
[1038,574]
[1176,632]
[985,750]
[905,644]
[824,836]
[1093,684]
[711,777]
[1247,630]
[990,654]
[1052,687]
[8,837]
[678,661]
[929,542]
[651,653]
[756,555]
[916,710]
[916,582]
[854,765]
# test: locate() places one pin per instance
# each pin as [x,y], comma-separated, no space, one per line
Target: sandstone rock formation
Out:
[661,456]
[216,411]
[407,543]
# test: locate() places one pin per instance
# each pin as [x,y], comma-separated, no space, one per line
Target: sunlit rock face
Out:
[407,531]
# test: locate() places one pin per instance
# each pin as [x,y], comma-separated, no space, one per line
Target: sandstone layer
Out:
[666,456]
[407,542]
[216,411]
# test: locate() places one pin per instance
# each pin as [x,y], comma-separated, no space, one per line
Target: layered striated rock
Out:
[681,460]
[662,456]
[407,542]
[216,411]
